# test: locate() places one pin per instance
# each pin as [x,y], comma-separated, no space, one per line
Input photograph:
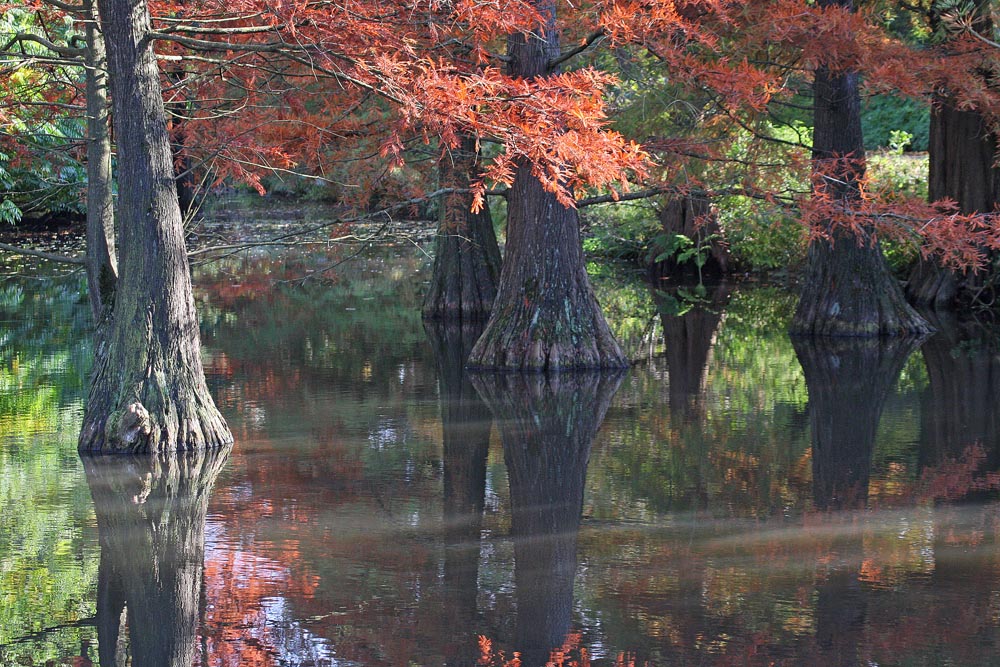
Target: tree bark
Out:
[962,155]
[694,218]
[467,261]
[547,425]
[848,289]
[148,390]
[545,316]
[151,527]
[102,263]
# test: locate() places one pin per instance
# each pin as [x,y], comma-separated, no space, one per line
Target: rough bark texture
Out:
[962,156]
[151,527]
[102,263]
[694,218]
[466,424]
[547,425]
[467,261]
[545,316]
[148,390]
[848,381]
[848,289]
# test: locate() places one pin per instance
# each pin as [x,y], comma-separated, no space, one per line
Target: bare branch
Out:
[52,257]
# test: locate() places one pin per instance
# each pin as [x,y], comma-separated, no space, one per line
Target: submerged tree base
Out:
[545,317]
[467,262]
[549,336]
[156,401]
[849,291]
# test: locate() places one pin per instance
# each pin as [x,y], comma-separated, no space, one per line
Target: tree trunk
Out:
[467,260]
[962,156]
[694,218]
[545,316]
[151,527]
[547,425]
[148,390]
[102,264]
[848,289]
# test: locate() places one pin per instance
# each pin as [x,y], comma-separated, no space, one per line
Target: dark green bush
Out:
[882,114]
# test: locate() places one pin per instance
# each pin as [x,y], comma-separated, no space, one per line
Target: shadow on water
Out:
[547,424]
[151,529]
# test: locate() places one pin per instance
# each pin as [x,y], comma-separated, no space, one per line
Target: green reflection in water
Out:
[48,567]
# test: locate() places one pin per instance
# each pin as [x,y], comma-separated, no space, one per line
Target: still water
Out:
[736,498]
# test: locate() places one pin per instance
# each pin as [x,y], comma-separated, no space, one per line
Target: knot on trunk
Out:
[131,426]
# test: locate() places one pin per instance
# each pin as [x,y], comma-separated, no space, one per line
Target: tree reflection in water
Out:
[547,424]
[848,380]
[151,527]
[466,423]
[688,339]
[959,407]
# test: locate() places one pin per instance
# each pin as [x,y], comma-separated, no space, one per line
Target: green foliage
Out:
[762,236]
[683,249]
[894,174]
[623,231]
[627,303]
[883,115]
[899,141]
[46,176]
[767,235]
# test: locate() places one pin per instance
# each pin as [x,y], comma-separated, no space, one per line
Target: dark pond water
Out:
[737,498]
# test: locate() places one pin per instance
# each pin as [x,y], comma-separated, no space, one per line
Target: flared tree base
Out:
[466,272]
[165,412]
[848,291]
[556,335]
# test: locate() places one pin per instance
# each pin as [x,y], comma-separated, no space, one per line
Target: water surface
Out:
[737,498]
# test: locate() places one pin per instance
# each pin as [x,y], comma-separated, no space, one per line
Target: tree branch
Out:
[592,39]
[52,257]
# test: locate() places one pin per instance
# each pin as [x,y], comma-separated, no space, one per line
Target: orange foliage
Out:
[350,93]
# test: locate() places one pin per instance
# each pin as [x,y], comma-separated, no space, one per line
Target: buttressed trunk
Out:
[848,289]
[467,261]
[148,390]
[545,316]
